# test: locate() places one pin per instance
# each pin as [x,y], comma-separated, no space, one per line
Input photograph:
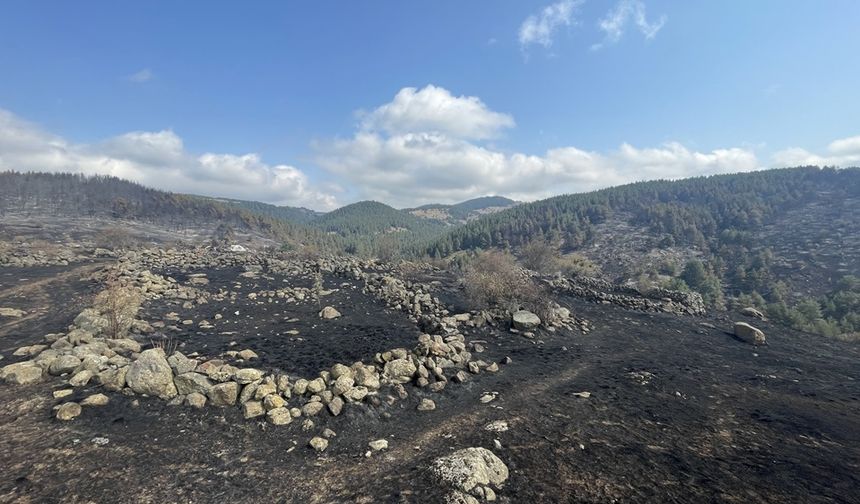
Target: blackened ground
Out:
[366,326]
[678,412]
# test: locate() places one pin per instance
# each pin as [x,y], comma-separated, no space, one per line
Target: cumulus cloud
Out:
[435,109]
[406,166]
[842,152]
[625,13]
[159,160]
[141,76]
[540,28]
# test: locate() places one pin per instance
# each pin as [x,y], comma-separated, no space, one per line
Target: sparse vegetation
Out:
[118,304]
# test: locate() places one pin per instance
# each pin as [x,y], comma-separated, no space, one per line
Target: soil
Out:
[679,411]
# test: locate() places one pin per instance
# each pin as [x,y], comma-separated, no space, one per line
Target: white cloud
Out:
[159,160]
[141,76]
[842,152]
[418,161]
[434,109]
[540,28]
[625,12]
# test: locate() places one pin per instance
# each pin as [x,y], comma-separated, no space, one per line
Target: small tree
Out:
[118,303]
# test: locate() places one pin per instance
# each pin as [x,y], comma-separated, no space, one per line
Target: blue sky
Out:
[324,103]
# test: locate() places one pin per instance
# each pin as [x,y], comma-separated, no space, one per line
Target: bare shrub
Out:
[317,287]
[577,265]
[493,278]
[118,303]
[539,256]
[114,238]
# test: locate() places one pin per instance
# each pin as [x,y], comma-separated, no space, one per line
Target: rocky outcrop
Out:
[472,471]
[151,374]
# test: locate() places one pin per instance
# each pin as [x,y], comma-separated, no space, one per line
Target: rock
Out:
[224,394]
[525,320]
[263,389]
[312,408]
[181,364]
[29,351]
[253,409]
[339,370]
[151,374]
[426,405]
[328,433]
[273,401]
[21,373]
[247,375]
[59,394]
[79,337]
[356,394]
[342,385]
[81,378]
[366,376]
[335,406]
[749,333]
[497,426]
[113,379]
[279,416]
[469,468]
[195,400]
[300,387]
[316,386]
[492,368]
[378,444]
[64,364]
[91,320]
[96,400]
[248,354]
[752,312]
[68,411]
[329,313]
[190,382]
[319,444]
[399,370]
[124,345]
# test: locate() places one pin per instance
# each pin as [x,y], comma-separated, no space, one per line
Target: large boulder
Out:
[525,320]
[468,469]
[64,364]
[21,373]
[749,333]
[151,374]
[752,312]
[399,370]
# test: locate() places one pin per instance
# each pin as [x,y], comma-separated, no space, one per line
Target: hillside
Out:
[111,198]
[370,227]
[296,215]
[786,241]
[463,212]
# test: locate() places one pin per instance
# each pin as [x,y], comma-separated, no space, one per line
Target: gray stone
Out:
[64,364]
[151,374]
[335,406]
[96,400]
[181,364]
[469,468]
[319,444]
[21,373]
[312,408]
[253,409]
[749,333]
[68,411]
[426,405]
[189,382]
[195,400]
[399,370]
[224,394]
[329,313]
[247,375]
[279,416]
[525,320]
[378,444]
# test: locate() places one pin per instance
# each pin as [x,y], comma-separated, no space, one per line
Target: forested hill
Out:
[64,194]
[462,212]
[370,227]
[296,215]
[695,211]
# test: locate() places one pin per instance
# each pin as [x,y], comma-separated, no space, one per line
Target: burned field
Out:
[644,407]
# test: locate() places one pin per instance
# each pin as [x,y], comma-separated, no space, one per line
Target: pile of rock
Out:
[601,291]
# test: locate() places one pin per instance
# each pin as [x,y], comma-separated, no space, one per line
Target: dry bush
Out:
[118,304]
[114,238]
[577,265]
[539,256]
[493,279]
